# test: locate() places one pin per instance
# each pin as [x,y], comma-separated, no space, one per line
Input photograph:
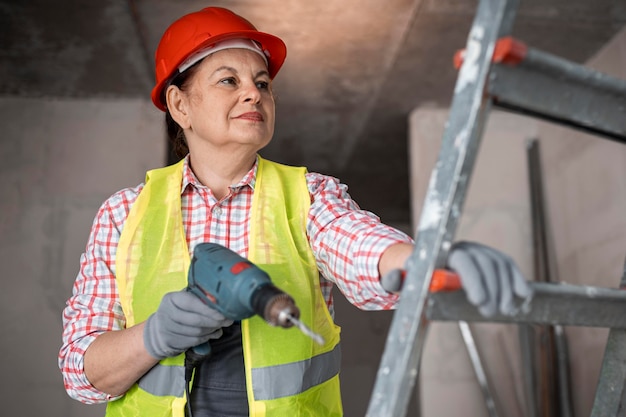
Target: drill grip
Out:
[194,356]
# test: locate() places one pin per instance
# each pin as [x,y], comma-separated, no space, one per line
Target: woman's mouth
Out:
[253,116]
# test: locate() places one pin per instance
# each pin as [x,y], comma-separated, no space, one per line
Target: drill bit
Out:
[281,311]
[304,329]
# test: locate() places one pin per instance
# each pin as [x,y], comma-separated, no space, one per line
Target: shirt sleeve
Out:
[94,306]
[348,243]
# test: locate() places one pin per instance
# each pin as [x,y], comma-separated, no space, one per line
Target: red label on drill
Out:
[240,266]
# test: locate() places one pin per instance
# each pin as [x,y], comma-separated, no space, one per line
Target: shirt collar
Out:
[189,178]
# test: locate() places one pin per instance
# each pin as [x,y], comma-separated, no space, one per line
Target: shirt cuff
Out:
[77,385]
[366,264]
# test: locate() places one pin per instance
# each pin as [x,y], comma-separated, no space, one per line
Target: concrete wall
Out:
[59,160]
[585,191]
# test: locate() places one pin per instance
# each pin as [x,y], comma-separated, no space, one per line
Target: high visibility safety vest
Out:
[287,374]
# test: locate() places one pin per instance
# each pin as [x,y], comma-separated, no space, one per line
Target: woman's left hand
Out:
[490,278]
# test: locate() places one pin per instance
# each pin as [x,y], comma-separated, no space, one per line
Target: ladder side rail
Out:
[610,397]
[552,88]
[552,303]
[399,365]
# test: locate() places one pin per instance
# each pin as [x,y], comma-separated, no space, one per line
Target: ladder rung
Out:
[552,88]
[552,303]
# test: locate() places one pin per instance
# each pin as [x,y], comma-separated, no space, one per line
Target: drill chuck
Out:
[275,306]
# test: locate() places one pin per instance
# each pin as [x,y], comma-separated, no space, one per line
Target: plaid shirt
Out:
[347,243]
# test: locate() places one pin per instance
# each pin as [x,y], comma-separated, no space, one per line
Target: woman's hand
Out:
[491,279]
[182,321]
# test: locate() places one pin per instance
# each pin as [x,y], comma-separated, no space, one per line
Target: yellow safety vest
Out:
[287,374]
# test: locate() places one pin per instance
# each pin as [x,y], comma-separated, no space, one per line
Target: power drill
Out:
[238,289]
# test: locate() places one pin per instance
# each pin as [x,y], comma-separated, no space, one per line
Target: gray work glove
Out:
[491,279]
[182,321]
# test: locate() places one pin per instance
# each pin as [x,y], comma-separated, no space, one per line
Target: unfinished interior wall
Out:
[585,192]
[59,160]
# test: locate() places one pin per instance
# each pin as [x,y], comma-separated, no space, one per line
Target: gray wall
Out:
[60,160]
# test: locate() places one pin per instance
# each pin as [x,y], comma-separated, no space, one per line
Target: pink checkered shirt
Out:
[347,242]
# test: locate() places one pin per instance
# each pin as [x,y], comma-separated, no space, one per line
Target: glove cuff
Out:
[152,340]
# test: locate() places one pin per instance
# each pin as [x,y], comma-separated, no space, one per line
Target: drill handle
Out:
[195,355]
[202,350]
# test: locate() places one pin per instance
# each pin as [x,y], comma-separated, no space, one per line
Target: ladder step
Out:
[552,88]
[552,303]
[533,82]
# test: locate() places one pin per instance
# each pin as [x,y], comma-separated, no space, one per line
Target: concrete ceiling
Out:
[355,68]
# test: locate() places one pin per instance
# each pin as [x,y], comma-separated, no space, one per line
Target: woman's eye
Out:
[229,81]
[262,85]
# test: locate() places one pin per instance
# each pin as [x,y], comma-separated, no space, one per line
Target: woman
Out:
[129,320]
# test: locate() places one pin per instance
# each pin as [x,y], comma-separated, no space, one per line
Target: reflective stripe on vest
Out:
[294,378]
[268,383]
[164,380]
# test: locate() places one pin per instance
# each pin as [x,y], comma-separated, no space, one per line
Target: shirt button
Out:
[217,211]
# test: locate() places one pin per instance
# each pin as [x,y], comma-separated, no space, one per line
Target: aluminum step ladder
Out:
[498,71]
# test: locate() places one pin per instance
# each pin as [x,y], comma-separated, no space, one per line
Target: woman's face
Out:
[229,101]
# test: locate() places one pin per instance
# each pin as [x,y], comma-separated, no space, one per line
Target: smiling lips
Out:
[252,116]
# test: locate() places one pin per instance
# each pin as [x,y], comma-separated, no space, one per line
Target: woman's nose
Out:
[251,93]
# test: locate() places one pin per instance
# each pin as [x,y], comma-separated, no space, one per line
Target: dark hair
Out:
[175,133]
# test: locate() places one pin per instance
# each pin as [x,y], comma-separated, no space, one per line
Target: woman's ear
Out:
[177,105]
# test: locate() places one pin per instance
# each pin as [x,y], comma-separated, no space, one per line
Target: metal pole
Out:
[610,398]
[472,350]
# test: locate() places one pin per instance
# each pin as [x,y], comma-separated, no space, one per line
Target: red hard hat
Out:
[198,30]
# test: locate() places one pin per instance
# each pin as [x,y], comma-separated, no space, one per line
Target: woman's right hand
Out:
[182,321]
